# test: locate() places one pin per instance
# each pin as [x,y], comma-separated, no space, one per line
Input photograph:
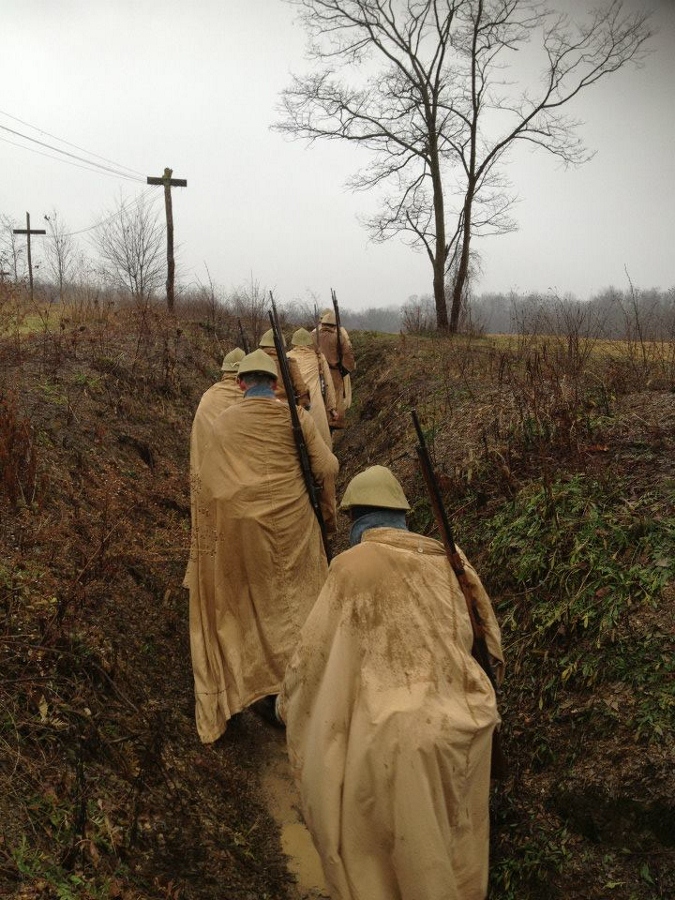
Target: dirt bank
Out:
[105,791]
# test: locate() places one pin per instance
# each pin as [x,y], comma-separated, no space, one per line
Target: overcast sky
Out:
[155,83]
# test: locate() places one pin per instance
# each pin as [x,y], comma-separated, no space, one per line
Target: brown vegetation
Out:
[105,789]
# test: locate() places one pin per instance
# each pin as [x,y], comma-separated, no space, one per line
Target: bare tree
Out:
[130,242]
[440,114]
[251,304]
[60,251]
[11,252]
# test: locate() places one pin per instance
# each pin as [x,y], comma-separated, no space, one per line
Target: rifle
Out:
[479,649]
[336,308]
[317,347]
[244,342]
[298,436]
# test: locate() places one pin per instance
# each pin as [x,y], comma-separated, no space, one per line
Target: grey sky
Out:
[151,83]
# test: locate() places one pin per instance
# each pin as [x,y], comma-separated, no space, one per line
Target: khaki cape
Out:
[389,724]
[313,367]
[214,401]
[327,339]
[219,397]
[347,381]
[257,557]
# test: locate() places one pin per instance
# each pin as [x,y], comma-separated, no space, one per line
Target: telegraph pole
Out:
[27,231]
[168,183]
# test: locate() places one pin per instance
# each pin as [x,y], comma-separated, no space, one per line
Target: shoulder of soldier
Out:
[356,563]
[209,391]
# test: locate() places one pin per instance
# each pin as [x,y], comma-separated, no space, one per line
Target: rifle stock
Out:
[298,436]
[479,649]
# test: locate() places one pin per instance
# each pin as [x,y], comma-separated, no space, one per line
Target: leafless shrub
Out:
[18,455]
[12,252]
[418,315]
[130,244]
[251,304]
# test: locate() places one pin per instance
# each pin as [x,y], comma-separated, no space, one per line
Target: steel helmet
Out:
[258,361]
[328,318]
[232,360]
[302,338]
[267,340]
[375,486]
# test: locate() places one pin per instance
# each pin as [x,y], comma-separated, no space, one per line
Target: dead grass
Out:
[587,811]
[105,791]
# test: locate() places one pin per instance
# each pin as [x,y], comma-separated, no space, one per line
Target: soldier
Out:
[316,373]
[219,397]
[215,400]
[257,557]
[340,367]
[389,717]
[300,388]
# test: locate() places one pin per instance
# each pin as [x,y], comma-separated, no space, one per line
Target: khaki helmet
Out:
[267,340]
[232,360]
[376,486]
[258,361]
[328,317]
[302,338]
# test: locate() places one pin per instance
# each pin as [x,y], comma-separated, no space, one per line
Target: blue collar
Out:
[380,518]
[259,390]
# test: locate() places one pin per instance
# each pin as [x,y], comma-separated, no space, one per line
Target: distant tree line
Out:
[611,314]
[128,266]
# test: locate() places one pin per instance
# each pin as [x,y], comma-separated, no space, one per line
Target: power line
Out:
[68,143]
[67,161]
[72,155]
[117,212]
[89,165]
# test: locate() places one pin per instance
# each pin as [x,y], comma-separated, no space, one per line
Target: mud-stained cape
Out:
[214,401]
[327,339]
[313,367]
[257,559]
[389,723]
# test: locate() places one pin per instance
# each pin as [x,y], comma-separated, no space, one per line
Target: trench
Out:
[283,803]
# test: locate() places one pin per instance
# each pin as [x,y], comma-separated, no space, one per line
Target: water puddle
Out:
[303,860]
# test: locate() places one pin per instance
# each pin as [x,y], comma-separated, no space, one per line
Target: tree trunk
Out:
[463,267]
[439,294]
[440,249]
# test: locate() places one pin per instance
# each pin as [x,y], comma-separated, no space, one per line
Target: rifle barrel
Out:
[432,485]
[244,342]
[336,309]
[298,436]
[479,649]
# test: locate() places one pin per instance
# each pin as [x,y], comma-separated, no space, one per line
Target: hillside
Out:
[558,468]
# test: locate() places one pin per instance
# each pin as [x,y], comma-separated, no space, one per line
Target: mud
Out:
[284,805]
